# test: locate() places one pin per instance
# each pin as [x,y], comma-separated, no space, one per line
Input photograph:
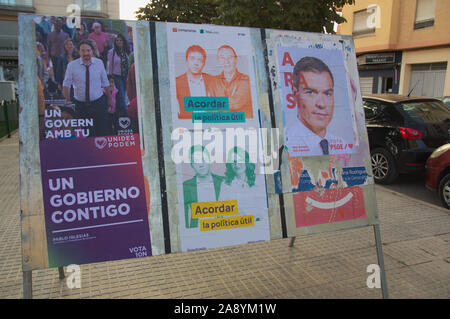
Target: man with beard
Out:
[87,75]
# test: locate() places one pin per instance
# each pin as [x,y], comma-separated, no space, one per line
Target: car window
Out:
[390,114]
[372,109]
[426,111]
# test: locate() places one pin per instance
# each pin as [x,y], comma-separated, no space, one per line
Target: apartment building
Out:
[9,10]
[402,46]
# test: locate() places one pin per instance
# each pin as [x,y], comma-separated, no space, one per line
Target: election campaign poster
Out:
[316,101]
[211,75]
[224,204]
[95,202]
[221,185]
[327,178]
[197,122]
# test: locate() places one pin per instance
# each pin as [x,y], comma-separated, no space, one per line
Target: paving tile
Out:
[410,252]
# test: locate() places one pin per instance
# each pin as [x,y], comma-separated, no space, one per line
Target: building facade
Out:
[9,10]
[402,46]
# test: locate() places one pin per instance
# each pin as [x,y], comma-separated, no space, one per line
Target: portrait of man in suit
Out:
[194,82]
[313,89]
[232,83]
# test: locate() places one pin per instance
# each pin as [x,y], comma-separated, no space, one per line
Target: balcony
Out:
[15,6]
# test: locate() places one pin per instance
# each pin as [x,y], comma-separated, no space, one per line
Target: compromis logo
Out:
[118,141]
[183,30]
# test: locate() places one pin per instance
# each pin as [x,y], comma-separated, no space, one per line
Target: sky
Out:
[127,8]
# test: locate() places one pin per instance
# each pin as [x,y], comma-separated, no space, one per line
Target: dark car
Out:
[403,132]
[446,100]
[438,173]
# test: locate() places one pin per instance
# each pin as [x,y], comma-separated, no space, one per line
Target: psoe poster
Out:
[316,101]
[95,203]
[211,76]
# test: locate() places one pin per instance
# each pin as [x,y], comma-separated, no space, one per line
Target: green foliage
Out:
[192,11]
[302,15]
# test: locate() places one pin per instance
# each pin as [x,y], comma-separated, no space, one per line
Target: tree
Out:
[192,11]
[302,15]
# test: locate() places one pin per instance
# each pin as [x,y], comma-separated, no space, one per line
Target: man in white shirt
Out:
[88,76]
[314,95]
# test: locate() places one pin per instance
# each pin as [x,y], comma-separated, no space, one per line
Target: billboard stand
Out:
[61,273]
[384,290]
[28,282]
[378,243]
[40,169]
[27,285]
[291,244]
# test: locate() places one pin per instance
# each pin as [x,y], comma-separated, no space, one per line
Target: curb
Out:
[411,199]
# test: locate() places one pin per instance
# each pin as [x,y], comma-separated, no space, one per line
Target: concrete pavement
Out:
[416,246]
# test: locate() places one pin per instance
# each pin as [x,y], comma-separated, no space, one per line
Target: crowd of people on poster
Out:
[86,71]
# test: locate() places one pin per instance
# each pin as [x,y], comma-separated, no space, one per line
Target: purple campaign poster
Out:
[94,200]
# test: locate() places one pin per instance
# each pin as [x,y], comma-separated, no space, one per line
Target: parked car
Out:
[438,173]
[446,100]
[403,132]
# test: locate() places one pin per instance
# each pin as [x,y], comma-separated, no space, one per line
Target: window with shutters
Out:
[360,23]
[17,5]
[425,12]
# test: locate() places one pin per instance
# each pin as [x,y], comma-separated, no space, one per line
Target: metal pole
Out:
[384,289]
[61,273]
[291,244]
[5,110]
[27,285]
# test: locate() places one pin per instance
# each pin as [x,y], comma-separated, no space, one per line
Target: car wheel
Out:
[444,191]
[383,166]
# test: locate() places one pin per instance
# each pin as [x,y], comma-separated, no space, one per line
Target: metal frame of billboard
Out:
[155,113]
